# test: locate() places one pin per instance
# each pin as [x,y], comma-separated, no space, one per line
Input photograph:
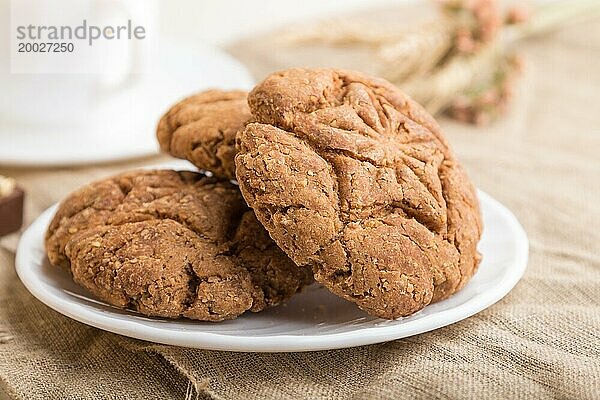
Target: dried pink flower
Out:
[517,15]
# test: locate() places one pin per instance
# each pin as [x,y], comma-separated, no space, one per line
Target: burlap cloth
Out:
[542,340]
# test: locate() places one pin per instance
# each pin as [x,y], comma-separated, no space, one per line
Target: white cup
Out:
[67,98]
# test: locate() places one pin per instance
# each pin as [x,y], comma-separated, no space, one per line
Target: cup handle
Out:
[128,9]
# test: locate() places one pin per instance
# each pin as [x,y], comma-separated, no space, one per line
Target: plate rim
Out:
[276,342]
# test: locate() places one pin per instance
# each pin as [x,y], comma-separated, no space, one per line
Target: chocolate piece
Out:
[11,211]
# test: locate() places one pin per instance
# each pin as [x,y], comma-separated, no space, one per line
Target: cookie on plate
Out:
[202,129]
[355,180]
[171,244]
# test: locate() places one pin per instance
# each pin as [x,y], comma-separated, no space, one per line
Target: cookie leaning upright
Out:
[171,244]
[202,129]
[354,179]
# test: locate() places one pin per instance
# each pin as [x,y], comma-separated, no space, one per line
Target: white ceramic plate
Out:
[124,127]
[312,320]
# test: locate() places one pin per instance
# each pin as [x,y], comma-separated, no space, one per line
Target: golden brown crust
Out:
[171,244]
[354,179]
[202,129]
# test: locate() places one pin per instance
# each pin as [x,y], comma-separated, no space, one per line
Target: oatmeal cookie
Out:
[202,129]
[354,179]
[171,244]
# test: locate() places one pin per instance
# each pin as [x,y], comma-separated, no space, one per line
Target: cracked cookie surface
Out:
[355,180]
[202,129]
[171,244]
